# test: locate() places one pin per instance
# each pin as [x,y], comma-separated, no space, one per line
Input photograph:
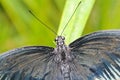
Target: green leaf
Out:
[76,25]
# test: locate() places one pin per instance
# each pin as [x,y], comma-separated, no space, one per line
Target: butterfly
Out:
[93,56]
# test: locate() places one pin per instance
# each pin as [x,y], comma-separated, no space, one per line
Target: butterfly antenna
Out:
[70,18]
[43,23]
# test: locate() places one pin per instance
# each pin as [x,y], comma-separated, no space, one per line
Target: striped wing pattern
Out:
[99,54]
[27,63]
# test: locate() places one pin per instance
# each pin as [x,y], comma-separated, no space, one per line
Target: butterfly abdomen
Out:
[65,70]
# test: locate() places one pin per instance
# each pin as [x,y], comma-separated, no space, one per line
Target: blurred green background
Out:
[19,28]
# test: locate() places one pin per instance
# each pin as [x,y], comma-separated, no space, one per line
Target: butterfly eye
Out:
[63,38]
[56,39]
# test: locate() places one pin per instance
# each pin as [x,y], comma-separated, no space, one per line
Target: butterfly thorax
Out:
[62,51]
[63,57]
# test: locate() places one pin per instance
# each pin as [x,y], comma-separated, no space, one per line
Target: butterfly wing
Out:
[27,63]
[98,55]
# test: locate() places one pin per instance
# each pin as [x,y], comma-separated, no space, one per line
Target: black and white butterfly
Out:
[94,56]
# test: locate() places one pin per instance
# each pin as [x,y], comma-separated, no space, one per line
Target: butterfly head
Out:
[60,40]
